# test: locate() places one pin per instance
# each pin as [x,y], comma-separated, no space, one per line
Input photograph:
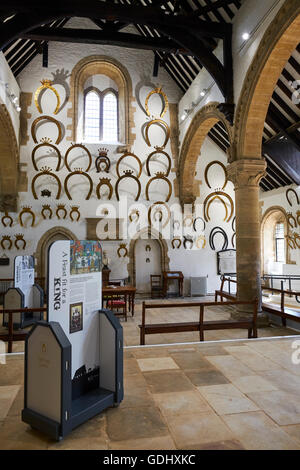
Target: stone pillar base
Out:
[262,317]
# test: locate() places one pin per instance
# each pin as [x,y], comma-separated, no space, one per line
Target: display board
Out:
[226,262]
[74,299]
[24,276]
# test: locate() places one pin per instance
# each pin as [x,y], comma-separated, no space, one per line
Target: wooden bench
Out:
[224,294]
[280,310]
[200,325]
[16,335]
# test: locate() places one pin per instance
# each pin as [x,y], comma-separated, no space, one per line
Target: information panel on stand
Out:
[74,298]
[24,276]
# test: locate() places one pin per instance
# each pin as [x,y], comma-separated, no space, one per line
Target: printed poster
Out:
[24,276]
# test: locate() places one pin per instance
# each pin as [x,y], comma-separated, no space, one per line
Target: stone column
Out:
[246,175]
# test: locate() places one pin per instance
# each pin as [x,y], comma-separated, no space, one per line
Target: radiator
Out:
[199,285]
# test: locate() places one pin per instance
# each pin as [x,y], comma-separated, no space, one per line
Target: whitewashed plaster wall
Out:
[7,77]
[62,59]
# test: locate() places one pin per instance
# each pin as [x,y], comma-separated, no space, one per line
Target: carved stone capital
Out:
[246,172]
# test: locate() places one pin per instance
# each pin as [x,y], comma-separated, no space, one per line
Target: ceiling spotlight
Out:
[246,36]
[18,108]
[183,117]
[202,93]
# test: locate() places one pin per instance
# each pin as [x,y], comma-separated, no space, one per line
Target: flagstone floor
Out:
[218,395]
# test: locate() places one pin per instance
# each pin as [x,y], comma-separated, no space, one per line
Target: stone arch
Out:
[100,64]
[278,43]
[200,126]
[154,234]
[51,235]
[9,162]
[272,216]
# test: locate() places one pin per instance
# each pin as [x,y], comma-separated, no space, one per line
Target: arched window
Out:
[279,243]
[101,116]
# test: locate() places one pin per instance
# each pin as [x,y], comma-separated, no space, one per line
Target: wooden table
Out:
[127,291]
[172,276]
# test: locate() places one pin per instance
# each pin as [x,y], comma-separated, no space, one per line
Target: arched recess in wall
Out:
[143,233]
[200,126]
[41,254]
[276,47]
[271,217]
[104,65]
[9,162]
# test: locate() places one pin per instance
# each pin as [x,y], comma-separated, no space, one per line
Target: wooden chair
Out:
[156,285]
[117,302]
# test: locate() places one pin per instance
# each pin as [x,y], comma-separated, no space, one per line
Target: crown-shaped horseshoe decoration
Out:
[290,219]
[104,182]
[26,210]
[288,191]
[147,248]
[215,162]
[123,248]
[177,223]
[188,239]
[212,234]
[186,219]
[61,207]
[201,242]
[46,118]
[46,193]
[7,217]
[20,239]
[159,176]
[45,171]
[194,224]
[159,203]
[233,238]
[166,129]
[157,91]
[73,146]
[127,155]
[158,152]
[74,210]
[6,238]
[46,208]
[102,159]
[46,143]
[128,174]
[78,171]
[136,213]
[207,203]
[176,243]
[46,84]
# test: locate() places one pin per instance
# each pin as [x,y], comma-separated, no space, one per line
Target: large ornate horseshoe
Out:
[167,130]
[27,210]
[215,162]
[219,193]
[45,171]
[128,154]
[78,171]
[46,118]
[102,182]
[158,176]
[287,196]
[206,216]
[212,235]
[46,84]
[128,174]
[163,204]
[154,153]
[82,147]
[45,143]
[157,91]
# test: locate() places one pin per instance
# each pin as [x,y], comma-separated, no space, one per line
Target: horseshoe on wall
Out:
[194,223]
[46,118]
[173,243]
[212,234]
[104,182]
[291,217]
[159,176]
[162,204]
[74,210]
[27,210]
[46,84]
[129,154]
[218,193]
[215,162]
[190,218]
[61,207]
[78,172]
[128,174]
[20,239]
[158,152]
[167,131]
[136,212]
[102,159]
[288,191]
[46,207]
[233,239]
[158,91]
[45,143]
[206,216]
[6,238]
[188,240]
[122,247]
[199,239]
[82,147]
[7,216]
[44,172]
